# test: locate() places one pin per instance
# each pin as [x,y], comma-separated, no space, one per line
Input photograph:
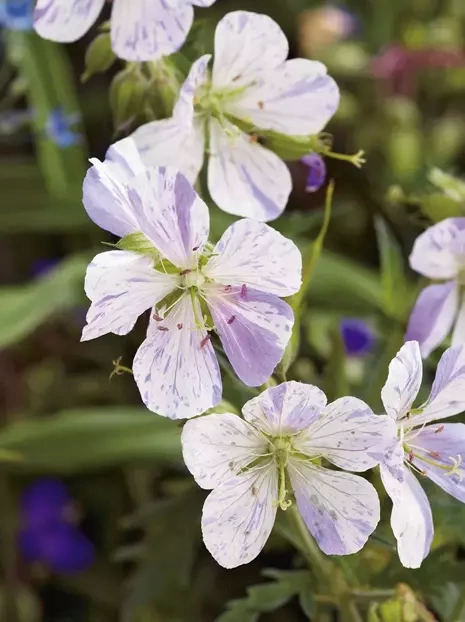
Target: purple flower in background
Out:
[141,30]
[16,14]
[439,254]
[191,286]
[357,336]
[48,536]
[59,130]
[433,451]
[248,463]
[42,266]
[316,171]
[251,81]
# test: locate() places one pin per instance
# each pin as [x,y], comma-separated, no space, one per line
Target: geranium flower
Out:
[439,254]
[192,287]
[141,30]
[256,464]
[316,175]
[433,451]
[252,87]
[357,335]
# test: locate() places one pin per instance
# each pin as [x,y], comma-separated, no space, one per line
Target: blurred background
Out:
[99,520]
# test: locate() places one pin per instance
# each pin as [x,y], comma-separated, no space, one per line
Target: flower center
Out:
[451,464]
[280,448]
[192,278]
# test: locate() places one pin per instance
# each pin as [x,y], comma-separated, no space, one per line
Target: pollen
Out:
[440,429]
[231,319]
[164,329]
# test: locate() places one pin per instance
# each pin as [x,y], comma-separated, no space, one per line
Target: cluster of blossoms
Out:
[204,297]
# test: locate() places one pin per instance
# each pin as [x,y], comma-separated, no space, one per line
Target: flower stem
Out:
[310,548]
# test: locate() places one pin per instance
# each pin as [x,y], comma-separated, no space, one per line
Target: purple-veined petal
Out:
[447,395]
[171,214]
[65,20]
[122,160]
[298,97]
[341,510]
[217,446]
[439,252]
[121,286]
[403,381]
[411,518]
[285,409]
[239,514]
[183,113]
[438,452]
[432,316]
[244,178]
[256,255]
[202,3]
[176,370]
[246,44]
[458,334]
[254,329]
[349,435]
[143,30]
[166,143]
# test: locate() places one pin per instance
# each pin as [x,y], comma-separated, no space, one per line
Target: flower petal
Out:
[202,3]
[245,45]
[447,395]
[104,190]
[349,435]
[244,178]
[438,252]
[143,30]
[65,20]
[170,213]
[411,518]
[121,286]
[341,510]
[458,335]
[219,445]
[403,381]
[285,409]
[298,97]
[167,143]
[432,316]
[256,255]
[183,112]
[442,448]
[239,515]
[254,329]
[176,370]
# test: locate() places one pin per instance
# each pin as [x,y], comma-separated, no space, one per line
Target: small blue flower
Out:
[316,171]
[58,128]
[42,266]
[357,336]
[48,535]
[17,14]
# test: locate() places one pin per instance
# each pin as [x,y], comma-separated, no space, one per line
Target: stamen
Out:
[184,272]
[281,500]
[411,456]
[231,319]
[253,138]
[244,291]
[204,341]
[179,326]
[455,470]
[228,288]
[438,430]
[435,454]
[157,317]
[163,328]
[196,248]
[260,104]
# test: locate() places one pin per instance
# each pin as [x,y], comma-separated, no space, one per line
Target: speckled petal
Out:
[439,252]
[246,44]
[176,370]
[183,112]
[254,329]
[217,446]
[65,20]
[121,286]
[143,30]
[122,160]
[171,214]
[298,97]
[255,254]
[244,178]
[349,435]
[432,316]
[341,510]
[167,143]
[411,518]
[239,515]
[285,409]
[403,381]
[458,334]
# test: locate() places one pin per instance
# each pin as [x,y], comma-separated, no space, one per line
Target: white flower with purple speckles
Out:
[254,465]
[434,451]
[191,286]
[439,254]
[141,30]
[251,81]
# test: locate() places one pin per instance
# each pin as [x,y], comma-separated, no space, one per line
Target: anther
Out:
[261,105]
[184,272]
[440,429]
[164,329]
[228,288]
[244,291]
[411,456]
[179,326]
[424,473]
[196,248]
[204,341]
[253,138]
[157,318]
[435,454]
[231,319]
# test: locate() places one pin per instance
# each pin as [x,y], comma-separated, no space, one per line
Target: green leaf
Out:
[25,307]
[87,439]
[453,187]
[335,379]
[393,282]
[99,56]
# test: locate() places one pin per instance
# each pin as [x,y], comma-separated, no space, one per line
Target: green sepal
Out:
[99,56]
[138,243]
[127,93]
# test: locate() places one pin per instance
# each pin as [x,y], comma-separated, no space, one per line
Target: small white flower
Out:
[254,465]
